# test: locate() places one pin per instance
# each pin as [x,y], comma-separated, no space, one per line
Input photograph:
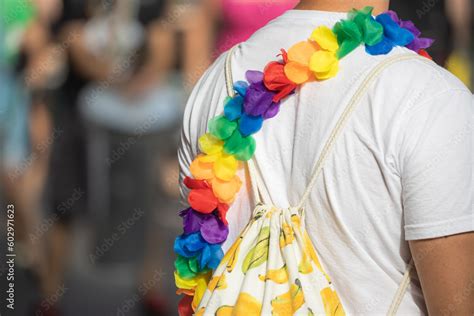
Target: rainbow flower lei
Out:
[229,140]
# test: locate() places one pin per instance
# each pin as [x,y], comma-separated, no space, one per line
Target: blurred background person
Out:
[237,20]
[118,63]
[30,67]
[210,27]
[459,13]
[131,108]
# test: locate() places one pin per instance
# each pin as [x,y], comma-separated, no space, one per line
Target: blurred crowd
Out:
[91,97]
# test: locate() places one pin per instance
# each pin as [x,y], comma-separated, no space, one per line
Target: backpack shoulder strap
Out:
[317,168]
[229,82]
[398,297]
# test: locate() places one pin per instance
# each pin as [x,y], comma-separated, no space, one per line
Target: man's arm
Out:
[445,267]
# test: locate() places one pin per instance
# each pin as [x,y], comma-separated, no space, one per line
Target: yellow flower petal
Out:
[225,167]
[301,52]
[210,144]
[209,158]
[201,170]
[328,74]
[324,64]
[185,284]
[325,38]
[322,61]
[297,72]
[201,288]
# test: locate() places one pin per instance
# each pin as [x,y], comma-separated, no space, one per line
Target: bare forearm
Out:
[445,267]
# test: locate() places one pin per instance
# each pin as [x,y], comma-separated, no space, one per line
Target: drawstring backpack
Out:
[273,268]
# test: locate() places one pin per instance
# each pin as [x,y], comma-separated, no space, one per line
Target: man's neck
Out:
[342,5]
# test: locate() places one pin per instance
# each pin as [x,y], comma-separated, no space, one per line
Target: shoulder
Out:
[205,102]
[415,85]
[208,89]
[419,78]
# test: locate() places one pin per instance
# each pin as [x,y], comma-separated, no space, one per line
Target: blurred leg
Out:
[59,240]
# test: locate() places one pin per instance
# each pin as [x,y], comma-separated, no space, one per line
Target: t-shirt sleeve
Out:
[436,166]
[200,107]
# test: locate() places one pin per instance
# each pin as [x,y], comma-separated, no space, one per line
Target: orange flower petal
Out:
[185,292]
[201,170]
[225,191]
[297,72]
[301,52]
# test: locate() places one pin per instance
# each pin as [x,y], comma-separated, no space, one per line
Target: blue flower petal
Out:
[393,32]
[180,249]
[249,124]
[195,242]
[210,257]
[233,108]
[204,257]
[216,256]
[189,245]
[241,87]
[381,48]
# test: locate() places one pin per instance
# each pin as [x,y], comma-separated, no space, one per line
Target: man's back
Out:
[410,135]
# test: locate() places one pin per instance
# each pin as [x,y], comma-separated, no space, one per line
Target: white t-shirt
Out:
[402,168]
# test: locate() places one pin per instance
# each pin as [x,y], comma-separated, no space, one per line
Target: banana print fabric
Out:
[277,268]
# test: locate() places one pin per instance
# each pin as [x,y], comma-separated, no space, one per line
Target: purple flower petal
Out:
[184,212]
[254,76]
[192,220]
[409,25]
[272,110]
[257,99]
[393,15]
[213,230]
[420,43]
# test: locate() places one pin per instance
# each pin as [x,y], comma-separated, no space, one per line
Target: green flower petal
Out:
[247,153]
[366,11]
[194,264]
[346,47]
[241,147]
[182,266]
[221,127]
[360,28]
[188,268]
[348,35]
[372,31]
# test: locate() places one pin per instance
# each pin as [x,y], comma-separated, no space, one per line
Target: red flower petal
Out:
[424,53]
[202,200]
[284,55]
[184,306]
[275,79]
[222,209]
[284,92]
[191,183]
